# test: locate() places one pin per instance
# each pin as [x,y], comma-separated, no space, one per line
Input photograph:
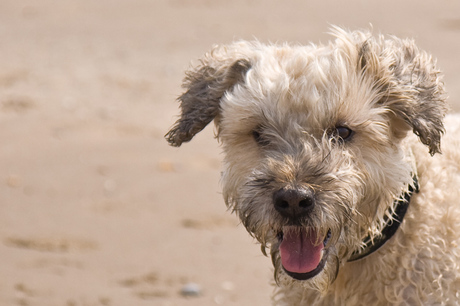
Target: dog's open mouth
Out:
[303,255]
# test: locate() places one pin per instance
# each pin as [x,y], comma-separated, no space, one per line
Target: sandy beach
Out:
[95,207]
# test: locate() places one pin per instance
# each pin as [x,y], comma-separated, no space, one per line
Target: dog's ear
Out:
[411,86]
[205,86]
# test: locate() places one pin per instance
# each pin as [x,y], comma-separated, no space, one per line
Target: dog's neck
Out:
[372,244]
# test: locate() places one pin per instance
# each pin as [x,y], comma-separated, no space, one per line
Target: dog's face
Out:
[314,140]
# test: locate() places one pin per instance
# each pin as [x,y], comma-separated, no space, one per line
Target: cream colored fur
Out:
[277,109]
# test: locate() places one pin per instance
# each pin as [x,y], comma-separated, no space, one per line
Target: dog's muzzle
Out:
[303,253]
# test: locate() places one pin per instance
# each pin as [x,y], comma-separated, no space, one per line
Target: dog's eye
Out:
[343,132]
[258,137]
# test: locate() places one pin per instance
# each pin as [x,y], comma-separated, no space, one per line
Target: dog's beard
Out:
[308,251]
[347,202]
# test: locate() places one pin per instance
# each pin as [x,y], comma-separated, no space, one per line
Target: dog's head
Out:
[314,139]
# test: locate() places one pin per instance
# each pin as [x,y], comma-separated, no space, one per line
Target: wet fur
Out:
[276,108]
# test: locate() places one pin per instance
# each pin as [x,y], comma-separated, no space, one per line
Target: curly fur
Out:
[276,109]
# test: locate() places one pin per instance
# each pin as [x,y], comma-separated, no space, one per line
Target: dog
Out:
[332,161]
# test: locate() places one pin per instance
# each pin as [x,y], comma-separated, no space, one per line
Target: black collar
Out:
[391,225]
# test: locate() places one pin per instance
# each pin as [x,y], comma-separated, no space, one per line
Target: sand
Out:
[95,207]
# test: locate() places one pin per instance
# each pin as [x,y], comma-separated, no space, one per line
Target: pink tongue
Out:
[298,252]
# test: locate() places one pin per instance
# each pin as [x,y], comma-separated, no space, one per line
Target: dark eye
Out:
[258,137]
[343,132]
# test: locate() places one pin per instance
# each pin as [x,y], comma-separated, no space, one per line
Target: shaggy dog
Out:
[332,162]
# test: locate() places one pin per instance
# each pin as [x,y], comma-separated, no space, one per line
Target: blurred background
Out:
[95,208]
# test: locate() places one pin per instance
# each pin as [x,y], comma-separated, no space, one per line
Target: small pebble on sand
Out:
[191,289]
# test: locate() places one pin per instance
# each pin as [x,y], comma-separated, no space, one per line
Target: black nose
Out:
[294,203]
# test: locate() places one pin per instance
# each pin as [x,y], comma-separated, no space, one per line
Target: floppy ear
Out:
[205,86]
[412,86]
